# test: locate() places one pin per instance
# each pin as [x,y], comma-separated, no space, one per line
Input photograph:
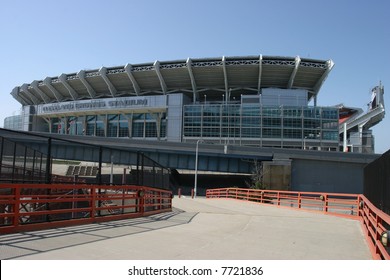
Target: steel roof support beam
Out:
[71,91]
[128,69]
[294,72]
[193,83]
[160,77]
[58,96]
[91,91]
[319,83]
[260,73]
[18,97]
[111,88]
[43,95]
[227,92]
[29,94]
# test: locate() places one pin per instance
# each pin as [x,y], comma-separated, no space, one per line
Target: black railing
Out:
[377,182]
[21,164]
[24,161]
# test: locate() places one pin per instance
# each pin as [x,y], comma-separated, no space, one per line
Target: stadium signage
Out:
[89,105]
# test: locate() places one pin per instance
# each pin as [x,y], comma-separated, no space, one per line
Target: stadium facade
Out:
[253,100]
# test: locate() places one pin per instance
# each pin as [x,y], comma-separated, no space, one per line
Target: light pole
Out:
[112,171]
[196,167]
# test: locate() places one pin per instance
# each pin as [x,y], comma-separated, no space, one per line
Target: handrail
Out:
[329,203]
[26,207]
[374,222]
[354,206]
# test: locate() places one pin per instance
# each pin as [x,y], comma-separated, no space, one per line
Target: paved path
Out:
[199,229]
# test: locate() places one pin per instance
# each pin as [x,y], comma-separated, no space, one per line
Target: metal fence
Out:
[377,182]
[33,162]
[20,164]
[25,207]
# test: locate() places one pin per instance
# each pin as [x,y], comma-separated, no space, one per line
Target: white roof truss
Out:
[43,95]
[111,88]
[294,72]
[57,95]
[128,69]
[193,83]
[225,76]
[72,92]
[319,83]
[29,94]
[91,91]
[18,97]
[260,73]
[160,77]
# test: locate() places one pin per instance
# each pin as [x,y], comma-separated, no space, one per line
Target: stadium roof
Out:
[196,78]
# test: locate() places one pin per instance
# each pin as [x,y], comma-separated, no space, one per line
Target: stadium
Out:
[259,101]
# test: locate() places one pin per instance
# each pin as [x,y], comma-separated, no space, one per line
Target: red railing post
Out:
[16,207]
[377,234]
[299,200]
[326,203]
[141,195]
[93,202]
[179,192]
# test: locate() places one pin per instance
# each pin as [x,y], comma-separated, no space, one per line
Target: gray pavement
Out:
[199,229]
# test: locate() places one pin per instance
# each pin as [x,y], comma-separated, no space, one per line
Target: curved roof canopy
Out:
[197,78]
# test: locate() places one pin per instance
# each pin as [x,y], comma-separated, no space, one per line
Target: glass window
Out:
[293,123]
[292,133]
[90,129]
[112,117]
[123,129]
[99,129]
[150,129]
[250,110]
[138,129]
[311,123]
[112,129]
[271,112]
[312,134]
[271,133]
[250,132]
[330,113]
[163,129]
[292,112]
[56,125]
[80,128]
[330,135]
[271,122]
[101,117]
[330,124]
[138,117]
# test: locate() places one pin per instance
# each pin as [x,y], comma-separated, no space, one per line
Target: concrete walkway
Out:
[199,229]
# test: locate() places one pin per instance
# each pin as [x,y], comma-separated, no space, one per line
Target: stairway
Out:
[81,170]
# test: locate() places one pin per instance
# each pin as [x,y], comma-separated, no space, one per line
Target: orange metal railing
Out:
[374,222]
[332,203]
[26,207]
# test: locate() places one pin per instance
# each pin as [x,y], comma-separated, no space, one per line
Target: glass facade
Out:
[253,124]
[13,122]
[133,125]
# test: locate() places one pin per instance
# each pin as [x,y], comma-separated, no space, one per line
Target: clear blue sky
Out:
[48,38]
